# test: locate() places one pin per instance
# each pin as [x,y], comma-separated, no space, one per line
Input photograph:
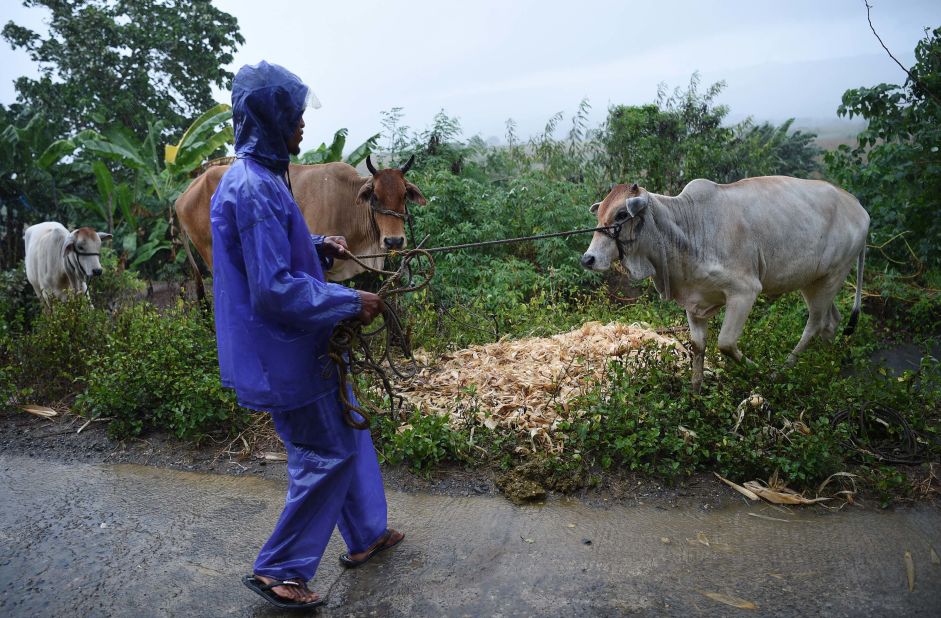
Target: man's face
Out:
[294,144]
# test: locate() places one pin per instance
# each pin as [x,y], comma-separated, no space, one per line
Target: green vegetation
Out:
[895,167]
[148,369]
[104,64]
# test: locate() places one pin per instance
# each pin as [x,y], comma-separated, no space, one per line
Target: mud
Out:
[82,539]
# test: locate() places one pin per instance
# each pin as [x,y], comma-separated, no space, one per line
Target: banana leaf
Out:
[55,152]
[362,151]
[335,151]
[191,155]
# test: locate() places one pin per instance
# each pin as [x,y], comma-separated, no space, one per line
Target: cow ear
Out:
[636,205]
[69,244]
[593,209]
[413,194]
[366,192]
[635,190]
[104,236]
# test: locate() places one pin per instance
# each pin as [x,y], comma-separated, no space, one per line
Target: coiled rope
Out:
[352,348]
[882,433]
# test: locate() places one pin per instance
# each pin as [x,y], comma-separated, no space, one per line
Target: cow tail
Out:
[194,267]
[854,317]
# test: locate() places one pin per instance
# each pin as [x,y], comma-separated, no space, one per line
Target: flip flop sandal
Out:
[265,591]
[382,545]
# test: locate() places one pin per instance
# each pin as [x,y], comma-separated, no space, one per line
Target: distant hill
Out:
[831,132]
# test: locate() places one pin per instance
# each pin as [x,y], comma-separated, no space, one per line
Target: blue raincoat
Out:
[274,315]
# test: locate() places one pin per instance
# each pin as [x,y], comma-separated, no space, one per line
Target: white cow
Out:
[722,245]
[59,261]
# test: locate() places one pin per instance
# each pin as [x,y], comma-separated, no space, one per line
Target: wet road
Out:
[121,540]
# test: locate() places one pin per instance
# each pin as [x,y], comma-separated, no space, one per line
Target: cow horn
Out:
[408,164]
[369,165]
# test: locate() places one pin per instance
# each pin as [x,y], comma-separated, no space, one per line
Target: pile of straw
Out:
[526,384]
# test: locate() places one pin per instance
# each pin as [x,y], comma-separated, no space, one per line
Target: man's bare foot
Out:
[298,594]
[386,540]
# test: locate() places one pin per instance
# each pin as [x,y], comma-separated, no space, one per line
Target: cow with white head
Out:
[59,262]
[717,246]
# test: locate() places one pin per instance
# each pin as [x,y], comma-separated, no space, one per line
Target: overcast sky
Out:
[485,61]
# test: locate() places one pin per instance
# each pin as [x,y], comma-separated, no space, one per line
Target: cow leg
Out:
[833,323]
[698,329]
[737,308]
[823,318]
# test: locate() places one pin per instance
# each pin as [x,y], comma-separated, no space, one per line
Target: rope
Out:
[351,346]
[881,432]
[483,243]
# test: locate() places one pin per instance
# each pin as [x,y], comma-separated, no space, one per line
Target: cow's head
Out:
[82,249]
[622,212]
[386,193]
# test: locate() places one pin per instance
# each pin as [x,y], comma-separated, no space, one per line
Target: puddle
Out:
[127,540]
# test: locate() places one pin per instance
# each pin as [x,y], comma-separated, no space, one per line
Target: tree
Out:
[895,167]
[29,193]
[682,136]
[125,62]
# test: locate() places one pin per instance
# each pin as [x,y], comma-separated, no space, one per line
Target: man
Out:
[274,316]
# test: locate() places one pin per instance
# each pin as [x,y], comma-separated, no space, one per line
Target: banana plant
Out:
[144,203]
[334,152]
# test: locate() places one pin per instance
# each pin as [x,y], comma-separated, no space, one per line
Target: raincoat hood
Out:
[267,104]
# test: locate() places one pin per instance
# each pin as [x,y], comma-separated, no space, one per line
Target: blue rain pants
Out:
[333,480]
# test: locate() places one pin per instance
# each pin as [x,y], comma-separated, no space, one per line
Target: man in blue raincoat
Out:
[274,315]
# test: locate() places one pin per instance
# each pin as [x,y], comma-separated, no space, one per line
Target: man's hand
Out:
[335,247]
[372,306]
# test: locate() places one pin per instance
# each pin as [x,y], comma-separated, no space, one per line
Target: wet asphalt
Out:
[124,540]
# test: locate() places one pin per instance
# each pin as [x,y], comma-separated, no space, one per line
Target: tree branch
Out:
[914,79]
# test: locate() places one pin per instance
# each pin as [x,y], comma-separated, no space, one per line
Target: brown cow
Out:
[335,200]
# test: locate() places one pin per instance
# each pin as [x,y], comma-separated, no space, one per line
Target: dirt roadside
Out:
[59,440]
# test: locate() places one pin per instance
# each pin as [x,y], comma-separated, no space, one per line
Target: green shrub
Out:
[422,443]
[54,358]
[116,286]
[160,371]
[18,302]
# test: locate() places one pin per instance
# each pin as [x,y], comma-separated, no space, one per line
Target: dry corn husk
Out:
[526,384]
[780,495]
[42,411]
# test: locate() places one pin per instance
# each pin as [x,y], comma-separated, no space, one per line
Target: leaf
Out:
[360,153]
[730,600]
[129,243]
[42,411]
[103,179]
[199,147]
[124,198]
[102,147]
[934,557]
[55,152]
[335,151]
[208,120]
[910,570]
[783,496]
[745,492]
